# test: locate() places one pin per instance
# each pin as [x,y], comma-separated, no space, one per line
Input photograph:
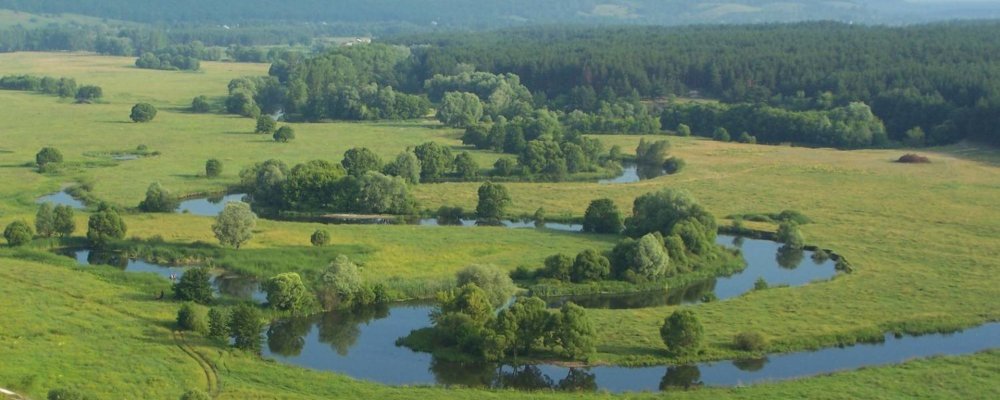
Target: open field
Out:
[77,329]
[924,241]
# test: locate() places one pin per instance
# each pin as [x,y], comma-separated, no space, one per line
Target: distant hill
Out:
[479,14]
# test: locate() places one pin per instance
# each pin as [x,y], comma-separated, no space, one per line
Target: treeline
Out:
[393,15]
[852,126]
[926,76]
[62,87]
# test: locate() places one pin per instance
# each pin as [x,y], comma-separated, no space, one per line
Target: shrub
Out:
[200,104]
[760,284]
[590,266]
[63,222]
[89,92]
[721,134]
[286,291]
[494,281]
[913,159]
[673,165]
[194,286]
[158,199]
[245,325]
[683,130]
[191,317]
[213,168]
[450,215]
[104,226]
[18,233]
[266,125]
[794,217]
[218,324]
[603,216]
[143,112]
[750,341]
[505,167]
[559,267]
[682,333]
[747,138]
[284,134]
[195,394]
[45,220]
[66,394]
[48,155]
[789,234]
[320,238]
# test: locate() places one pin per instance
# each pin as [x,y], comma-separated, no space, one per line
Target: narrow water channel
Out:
[362,345]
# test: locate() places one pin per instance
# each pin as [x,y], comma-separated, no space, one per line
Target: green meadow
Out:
[924,241]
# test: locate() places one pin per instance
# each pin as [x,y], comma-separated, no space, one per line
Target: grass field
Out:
[924,239]
[83,330]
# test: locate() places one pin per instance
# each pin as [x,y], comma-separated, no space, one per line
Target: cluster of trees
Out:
[322,186]
[926,75]
[667,232]
[62,87]
[466,320]
[243,325]
[185,57]
[341,286]
[850,126]
[346,83]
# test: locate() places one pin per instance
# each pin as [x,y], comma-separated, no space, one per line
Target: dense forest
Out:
[942,76]
[485,14]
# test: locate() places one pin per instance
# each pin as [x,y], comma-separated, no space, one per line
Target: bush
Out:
[913,159]
[673,165]
[48,155]
[450,215]
[683,130]
[760,284]
[286,291]
[266,125]
[603,216]
[191,317]
[194,286]
[721,134]
[18,233]
[143,112]
[494,281]
[320,238]
[195,394]
[218,324]
[284,134]
[104,226]
[789,234]
[747,138]
[504,167]
[158,200]
[245,325]
[590,266]
[89,92]
[45,220]
[682,333]
[200,104]
[750,341]
[213,168]
[793,217]
[558,267]
[66,394]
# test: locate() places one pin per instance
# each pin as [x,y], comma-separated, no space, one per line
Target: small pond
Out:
[61,198]
[362,345]
[232,285]
[777,265]
[208,206]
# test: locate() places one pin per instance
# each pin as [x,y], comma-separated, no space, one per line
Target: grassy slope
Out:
[80,330]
